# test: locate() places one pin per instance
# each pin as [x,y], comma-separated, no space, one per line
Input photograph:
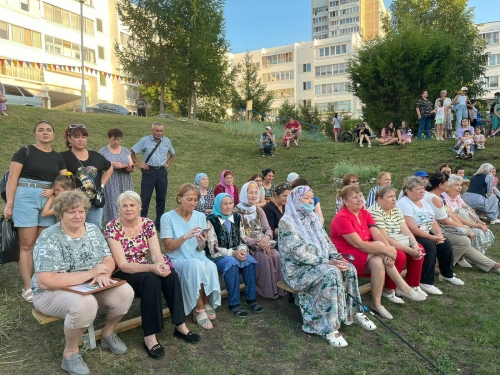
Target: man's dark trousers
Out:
[154,179]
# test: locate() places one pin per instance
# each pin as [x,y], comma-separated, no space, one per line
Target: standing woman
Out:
[267,183]
[258,236]
[32,170]
[448,118]
[206,203]
[424,109]
[227,185]
[91,169]
[184,241]
[461,106]
[275,208]
[495,118]
[120,180]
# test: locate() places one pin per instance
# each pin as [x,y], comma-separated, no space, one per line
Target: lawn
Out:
[457,330]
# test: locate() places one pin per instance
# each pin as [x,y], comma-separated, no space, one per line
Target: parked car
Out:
[108,108]
[16,95]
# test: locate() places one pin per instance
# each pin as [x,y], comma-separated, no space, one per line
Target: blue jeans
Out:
[94,215]
[424,123]
[231,269]
[462,112]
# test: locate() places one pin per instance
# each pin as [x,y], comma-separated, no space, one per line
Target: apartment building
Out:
[308,73]
[48,32]
[332,18]
[491,32]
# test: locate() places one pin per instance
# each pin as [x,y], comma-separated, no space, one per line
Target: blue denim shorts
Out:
[28,207]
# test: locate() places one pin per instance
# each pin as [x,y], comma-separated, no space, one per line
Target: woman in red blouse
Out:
[353,231]
[130,237]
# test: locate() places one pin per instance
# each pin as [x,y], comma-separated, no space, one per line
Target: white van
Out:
[16,95]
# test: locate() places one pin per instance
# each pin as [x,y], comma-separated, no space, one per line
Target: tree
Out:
[171,104]
[288,109]
[249,87]
[429,45]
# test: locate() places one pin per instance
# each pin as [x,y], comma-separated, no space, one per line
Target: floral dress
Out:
[207,203]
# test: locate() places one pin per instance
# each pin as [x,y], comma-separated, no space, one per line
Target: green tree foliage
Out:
[429,45]
[249,87]
[152,94]
[288,109]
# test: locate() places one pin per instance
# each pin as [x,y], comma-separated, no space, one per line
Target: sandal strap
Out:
[201,318]
[256,307]
[239,311]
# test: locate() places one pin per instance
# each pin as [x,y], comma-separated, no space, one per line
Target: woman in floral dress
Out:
[310,267]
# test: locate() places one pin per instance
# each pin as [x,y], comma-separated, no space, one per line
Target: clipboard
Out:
[84,289]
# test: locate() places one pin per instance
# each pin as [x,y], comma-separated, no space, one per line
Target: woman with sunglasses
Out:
[312,266]
[32,170]
[275,208]
[92,170]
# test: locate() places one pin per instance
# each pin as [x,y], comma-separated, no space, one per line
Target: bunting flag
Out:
[2,62]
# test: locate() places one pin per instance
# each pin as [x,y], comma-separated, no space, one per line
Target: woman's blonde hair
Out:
[184,189]
[346,191]
[70,199]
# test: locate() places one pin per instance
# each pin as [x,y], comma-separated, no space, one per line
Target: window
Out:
[494,59]
[306,102]
[98,22]
[4,30]
[123,39]
[102,79]
[89,26]
[493,81]
[331,69]
[25,5]
[278,76]
[37,39]
[27,37]
[344,106]
[282,94]
[100,52]
[66,48]
[334,3]
[66,18]
[491,37]
[331,88]
[25,92]
[12,90]
[320,9]
[306,85]
[48,11]
[334,50]
[279,58]
[306,68]
[17,34]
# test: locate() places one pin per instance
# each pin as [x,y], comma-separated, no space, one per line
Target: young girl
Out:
[479,138]
[440,119]
[404,134]
[289,137]
[388,136]
[61,184]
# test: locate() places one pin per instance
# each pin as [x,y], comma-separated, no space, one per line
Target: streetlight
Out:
[83,100]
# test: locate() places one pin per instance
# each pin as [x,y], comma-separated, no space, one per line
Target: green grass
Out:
[458,331]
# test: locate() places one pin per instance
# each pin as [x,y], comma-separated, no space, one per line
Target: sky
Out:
[255,24]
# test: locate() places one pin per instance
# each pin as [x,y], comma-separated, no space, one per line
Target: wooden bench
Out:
[89,339]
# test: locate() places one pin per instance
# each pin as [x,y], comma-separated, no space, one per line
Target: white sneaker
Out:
[418,290]
[360,145]
[496,221]
[392,297]
[451,280]
[431,289]
[369,145]
[463,263]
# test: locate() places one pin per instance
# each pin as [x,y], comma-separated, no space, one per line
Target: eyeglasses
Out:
[354,182]
[74,126]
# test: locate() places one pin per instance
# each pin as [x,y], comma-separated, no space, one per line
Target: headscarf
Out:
[248,211]
[227,189]
[197,179]
[217,203]
[306,226]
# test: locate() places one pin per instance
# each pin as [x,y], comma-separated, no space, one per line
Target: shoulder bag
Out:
[98,200]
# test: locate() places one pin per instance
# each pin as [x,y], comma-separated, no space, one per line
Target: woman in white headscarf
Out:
[311,266]
[258,237]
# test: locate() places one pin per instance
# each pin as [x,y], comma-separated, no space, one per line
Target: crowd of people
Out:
[268,232]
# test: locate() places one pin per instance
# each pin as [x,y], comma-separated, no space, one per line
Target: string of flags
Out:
[71,68]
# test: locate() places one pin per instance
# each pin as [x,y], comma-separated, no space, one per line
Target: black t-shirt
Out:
[94,165]
[39,165]
[273,215]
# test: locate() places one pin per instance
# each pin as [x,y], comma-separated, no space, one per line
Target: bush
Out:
[365,172]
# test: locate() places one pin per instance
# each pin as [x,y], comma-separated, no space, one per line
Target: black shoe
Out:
[156,351]
[190,337]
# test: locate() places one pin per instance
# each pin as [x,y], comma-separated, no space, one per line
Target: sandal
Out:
[256,308]
[27,295]
[201,318]
[210,311]
[239,311]
[361,320]
[336,341]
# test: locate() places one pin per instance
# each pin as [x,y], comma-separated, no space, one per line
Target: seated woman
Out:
[483,238]
[419,218]
[226,185]
[73,252]
[364,135]
[311,267]
[258,237]
[480,195]
[383,179]
[453,229]
[207,197]
[261,200]
[317,205]
[230,254]
[275,208]
[392,225]
[404,134]
[184,241]
[130,237]
[347,180]
[388,136]
[353,231]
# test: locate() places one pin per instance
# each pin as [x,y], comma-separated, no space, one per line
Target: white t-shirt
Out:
[439,212]
[423,217]
[337,122]
[262,193]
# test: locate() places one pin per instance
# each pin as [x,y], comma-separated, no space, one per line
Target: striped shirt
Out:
[391,222]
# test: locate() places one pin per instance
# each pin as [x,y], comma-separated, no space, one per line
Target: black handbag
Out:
[98,201]
[9,242]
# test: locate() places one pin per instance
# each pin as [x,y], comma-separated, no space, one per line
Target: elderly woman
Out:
[227,185]
[347,180]
[312,267]
[184,240]
[258,237]
[227,249]
[459,234]
[448,118]
[480,195]
[391,223]
[317,205]
[275,208]
[91,169]
[353,231]
[483,238]
[419,218]
[388,136]
[424,109]
[130,238]
[120,180]
[73,252]
[206,203]
[32,170]
[383,179]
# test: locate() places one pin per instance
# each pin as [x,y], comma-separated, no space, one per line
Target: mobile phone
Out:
[203,231]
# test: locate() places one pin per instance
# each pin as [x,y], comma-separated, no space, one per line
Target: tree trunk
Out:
[195,104]
[190,102]
[162,97]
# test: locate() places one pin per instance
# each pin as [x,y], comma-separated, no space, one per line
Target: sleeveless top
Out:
[478,185]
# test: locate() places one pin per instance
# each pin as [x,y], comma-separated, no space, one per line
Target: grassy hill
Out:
[457,330]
